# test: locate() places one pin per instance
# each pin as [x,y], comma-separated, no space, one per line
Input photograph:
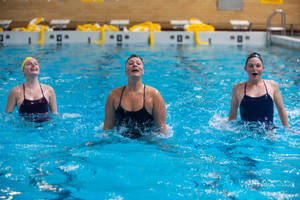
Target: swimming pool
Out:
[204,155]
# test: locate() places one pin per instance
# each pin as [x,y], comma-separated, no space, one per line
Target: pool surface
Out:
[203,155]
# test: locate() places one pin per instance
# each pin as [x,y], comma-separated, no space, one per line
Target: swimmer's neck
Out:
[134,84]
[31,82]
[254,81]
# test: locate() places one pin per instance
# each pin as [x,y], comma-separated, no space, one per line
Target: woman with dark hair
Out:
[256,97]
[135,107]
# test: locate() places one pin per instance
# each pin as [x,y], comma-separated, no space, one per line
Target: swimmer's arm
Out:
[52,101]
[234,104]
[159,112]
[109,120]
[11,101]
[280,107]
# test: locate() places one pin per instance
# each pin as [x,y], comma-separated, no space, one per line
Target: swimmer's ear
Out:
[126,70]
[245,67]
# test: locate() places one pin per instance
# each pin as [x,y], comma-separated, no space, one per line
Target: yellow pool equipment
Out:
[195,26]
[88,27]
[34,25]
[146,27]
[97,27]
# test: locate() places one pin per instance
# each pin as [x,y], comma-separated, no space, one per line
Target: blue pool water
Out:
[203,157]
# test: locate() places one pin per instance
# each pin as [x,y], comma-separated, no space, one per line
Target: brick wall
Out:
[159,11]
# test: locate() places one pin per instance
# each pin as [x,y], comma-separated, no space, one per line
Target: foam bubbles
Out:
[70,115]
[69,168]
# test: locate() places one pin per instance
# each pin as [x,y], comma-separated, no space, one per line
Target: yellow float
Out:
[146,27]
[97,27]
[103,29]
[88,27]
[33,25]
[195,26]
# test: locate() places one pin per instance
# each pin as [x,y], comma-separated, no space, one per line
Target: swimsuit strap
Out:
[265,86]
[24,90]
[144,95]
[245,88]
[42,90]
[121,95]
[123,92]
[40,87]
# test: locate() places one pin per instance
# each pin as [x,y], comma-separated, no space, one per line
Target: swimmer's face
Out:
[254,67]
[134,67]
[31,66]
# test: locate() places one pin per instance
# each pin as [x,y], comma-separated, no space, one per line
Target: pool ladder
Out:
[270,28]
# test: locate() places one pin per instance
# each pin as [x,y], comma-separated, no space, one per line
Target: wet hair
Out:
[134,56]
[254,55]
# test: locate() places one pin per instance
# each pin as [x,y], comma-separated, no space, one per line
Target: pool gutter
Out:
[120,37]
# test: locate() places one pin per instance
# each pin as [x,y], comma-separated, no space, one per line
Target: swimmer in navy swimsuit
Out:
[261,109]
[31,97]
[135,122]
[35,110]
[134,109]
[34,106]
[256,97]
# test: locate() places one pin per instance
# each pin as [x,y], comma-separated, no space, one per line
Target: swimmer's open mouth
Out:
[254,74]
[135,70]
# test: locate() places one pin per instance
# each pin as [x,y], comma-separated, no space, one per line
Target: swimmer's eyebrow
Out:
[138,62]
[31,62]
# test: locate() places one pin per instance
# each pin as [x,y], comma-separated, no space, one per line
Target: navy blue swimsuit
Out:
[257,109]
[32,107]
[133,122]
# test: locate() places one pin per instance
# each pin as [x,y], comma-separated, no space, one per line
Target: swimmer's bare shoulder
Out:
[15,97]
[154,97]
[237,90]
[158,108]
[152,93]
[152,90]
[271,83]
[47,89]
[17,88]
[272,88]
[17,91]
[115,95]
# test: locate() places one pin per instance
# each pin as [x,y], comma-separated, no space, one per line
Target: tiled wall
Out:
[160,11]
